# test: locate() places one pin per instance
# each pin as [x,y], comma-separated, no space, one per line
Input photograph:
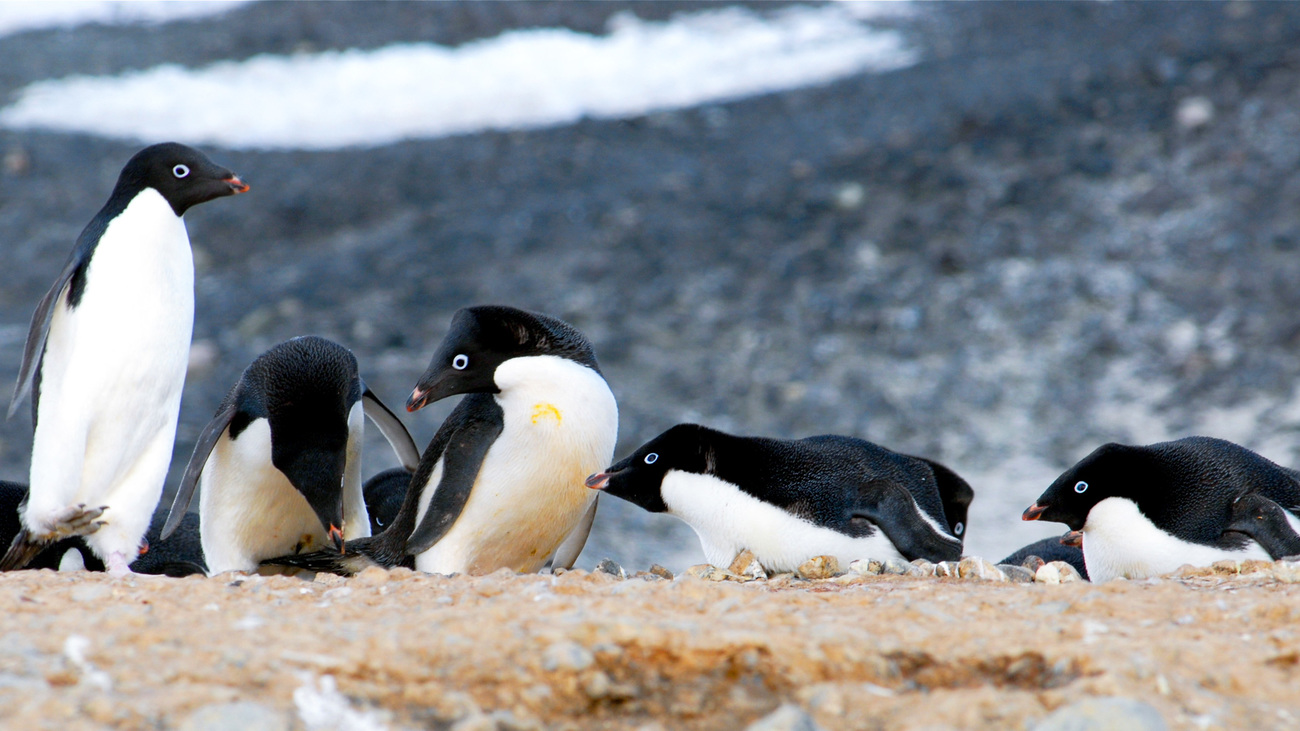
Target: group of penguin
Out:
[512,477]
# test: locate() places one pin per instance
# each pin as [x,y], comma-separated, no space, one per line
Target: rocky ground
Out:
[403,650]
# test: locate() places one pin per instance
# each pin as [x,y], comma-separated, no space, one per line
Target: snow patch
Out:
[519,79]
[19,17]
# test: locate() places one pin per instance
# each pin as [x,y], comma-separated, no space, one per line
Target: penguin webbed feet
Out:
[74,520]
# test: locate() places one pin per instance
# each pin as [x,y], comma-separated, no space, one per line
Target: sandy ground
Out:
[399,649]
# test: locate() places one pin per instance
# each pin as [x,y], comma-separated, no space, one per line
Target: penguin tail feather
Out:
[21,551]
[356,557]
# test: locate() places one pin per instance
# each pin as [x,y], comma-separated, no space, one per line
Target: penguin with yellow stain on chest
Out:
[501,485]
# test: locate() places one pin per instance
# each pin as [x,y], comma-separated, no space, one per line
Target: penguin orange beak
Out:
[418,400]
[598,481]
[1073,538]
[237,186]
[336,535]
[1033,512]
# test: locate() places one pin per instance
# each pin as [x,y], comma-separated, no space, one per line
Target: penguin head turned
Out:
[306,388]
[482,338]
[639,477]
[183,176]
[1112,470]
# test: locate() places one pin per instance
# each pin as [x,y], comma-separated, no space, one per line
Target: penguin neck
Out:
[547,387]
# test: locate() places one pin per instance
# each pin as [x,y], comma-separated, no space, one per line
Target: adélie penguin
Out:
[105,360]
[501,483]
[279,465]
[789,500]
[1139,511]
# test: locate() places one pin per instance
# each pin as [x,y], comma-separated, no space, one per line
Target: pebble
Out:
[867,567]
[1016,574]
[611,567]
[819,567]
[746,565]
[240,716]
[1104,714]
[925,567]
[788,717]
[1056,572]
[1287,572]
[974,567]
[897,567]
[658,570]
[707,572]
[1194,112]
[566,655]
[945,569]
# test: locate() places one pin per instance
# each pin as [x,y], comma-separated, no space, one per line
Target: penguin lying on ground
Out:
[1145,511]
[501,483]
[280,462]
[1048,550]
[789,500]
[105,360]
[179,555]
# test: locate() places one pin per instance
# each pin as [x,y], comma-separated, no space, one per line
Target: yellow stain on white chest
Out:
[546,411]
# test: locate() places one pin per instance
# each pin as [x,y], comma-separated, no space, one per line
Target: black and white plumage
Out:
[1141,511]
[789,500]
[501,483]
[280,462]
[1267,523]
[105,360]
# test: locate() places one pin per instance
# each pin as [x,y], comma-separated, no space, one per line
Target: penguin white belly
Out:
[1119,541]
[356,519]
[248,509]
[111,378]
[560,425]
[728,520]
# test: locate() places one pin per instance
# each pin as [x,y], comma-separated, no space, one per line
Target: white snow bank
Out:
[17,17]
[519,79]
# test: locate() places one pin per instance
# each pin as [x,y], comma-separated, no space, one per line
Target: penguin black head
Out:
[639,477]
[183,176]
[306,388]
[482,338]
[1112,470]
[384,494]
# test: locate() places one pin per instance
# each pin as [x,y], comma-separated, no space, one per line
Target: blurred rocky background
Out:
[1050,225]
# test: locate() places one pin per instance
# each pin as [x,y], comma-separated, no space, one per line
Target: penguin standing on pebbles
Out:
[280,463]
[790,500]
[105,361]
[501,484]
[1144,511]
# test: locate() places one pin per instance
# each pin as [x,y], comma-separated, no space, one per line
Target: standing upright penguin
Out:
[280,462]
[105,360]
[501,484]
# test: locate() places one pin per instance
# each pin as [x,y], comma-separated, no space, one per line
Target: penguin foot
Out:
[118,565]
[74,520]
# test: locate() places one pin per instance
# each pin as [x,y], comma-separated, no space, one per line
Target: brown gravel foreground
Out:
[409,650]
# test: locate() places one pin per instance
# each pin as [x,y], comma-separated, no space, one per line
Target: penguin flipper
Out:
[891,508]
[392,429]
[570,549]
[39,331]
[1265,522]
[461,459]
[194,469]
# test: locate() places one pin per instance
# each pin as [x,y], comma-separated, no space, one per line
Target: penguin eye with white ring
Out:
[1080,487]
[651,458]
[957,529]
[460,362]
[180,171]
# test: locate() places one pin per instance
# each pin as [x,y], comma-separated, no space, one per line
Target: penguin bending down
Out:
[790,500]
[501,483]
[105,361]
[280,462]
[1144,511]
